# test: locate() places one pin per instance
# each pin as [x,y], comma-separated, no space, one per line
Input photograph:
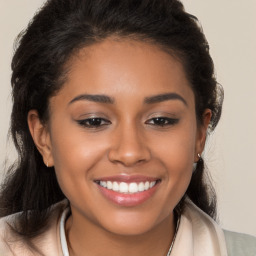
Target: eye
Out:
[162,121]
[94,122]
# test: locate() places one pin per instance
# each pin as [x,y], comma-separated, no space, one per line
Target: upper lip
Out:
[127,178]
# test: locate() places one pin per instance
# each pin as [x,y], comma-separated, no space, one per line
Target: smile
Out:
[127,188]
[128,191]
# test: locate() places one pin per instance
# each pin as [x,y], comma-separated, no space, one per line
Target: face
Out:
[123,136]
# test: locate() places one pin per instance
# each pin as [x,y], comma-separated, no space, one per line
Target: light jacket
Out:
[198,235]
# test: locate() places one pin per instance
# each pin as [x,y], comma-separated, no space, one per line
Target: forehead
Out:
[125,68]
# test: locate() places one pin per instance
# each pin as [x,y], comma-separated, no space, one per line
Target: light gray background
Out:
[230,27]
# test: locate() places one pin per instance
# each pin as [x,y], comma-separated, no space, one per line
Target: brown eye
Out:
[162,121]
[93,122]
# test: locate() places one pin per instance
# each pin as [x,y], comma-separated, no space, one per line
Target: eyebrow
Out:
[164,97]
[101,98]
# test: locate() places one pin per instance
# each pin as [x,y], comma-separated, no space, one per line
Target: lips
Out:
[124,187]
[126,190]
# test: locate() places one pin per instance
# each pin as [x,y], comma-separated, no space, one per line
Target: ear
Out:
[41,137]
[202,133]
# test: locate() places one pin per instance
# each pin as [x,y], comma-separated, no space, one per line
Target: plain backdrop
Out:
[230,27]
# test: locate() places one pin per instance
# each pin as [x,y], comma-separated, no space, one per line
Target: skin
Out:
[130,142]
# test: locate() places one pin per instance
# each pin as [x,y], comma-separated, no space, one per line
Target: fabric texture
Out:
[240,244]
[47,244]
[198,235]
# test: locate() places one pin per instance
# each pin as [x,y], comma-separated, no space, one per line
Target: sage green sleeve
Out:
[240,244]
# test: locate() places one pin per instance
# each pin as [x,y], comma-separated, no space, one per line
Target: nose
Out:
[128,147]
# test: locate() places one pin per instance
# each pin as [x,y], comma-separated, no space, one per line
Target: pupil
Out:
[160,120]
[95,121]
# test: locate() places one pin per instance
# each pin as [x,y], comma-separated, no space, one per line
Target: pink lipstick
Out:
[128,191]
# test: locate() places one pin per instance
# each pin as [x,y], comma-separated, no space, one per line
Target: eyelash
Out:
[98,122]
[163,121]
[95,122]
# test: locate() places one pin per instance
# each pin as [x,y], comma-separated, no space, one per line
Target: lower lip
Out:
[128,200]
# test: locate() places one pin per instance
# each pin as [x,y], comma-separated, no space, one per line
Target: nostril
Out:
[128,146]
[129,156]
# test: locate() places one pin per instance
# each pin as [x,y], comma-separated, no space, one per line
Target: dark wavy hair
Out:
[54,35]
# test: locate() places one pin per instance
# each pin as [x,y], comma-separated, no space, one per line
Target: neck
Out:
[94,240]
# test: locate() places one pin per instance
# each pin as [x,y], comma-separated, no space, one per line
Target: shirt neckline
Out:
[63,240]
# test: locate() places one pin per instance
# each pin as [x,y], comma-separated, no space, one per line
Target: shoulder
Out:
[10,240]
[240,244]
[47,243]
[232,243]
[5,231]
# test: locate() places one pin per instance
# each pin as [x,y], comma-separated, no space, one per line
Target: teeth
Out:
[141,187]
[123,187]
[109,184]
[133,187]
[115,186]
[152,184]
[127,188]
[104,184]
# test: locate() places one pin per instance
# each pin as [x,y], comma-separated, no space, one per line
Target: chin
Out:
[134,224]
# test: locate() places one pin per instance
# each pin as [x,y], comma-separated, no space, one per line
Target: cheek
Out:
[75,156]
[177,149]
[181,159]
[176,153]
[178,165]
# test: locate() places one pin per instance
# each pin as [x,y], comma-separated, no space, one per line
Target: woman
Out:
[112,104]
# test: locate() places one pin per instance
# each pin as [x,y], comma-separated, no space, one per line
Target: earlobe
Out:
[41,137]
[202,133]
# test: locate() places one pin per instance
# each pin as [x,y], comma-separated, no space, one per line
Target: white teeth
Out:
[109,184]
[130,188]
[141,187]
[104,184]
[133,188]
[152,184]
[115,186]
[123,187]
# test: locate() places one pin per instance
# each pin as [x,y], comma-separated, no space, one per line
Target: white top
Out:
[63,240]
[198,235]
